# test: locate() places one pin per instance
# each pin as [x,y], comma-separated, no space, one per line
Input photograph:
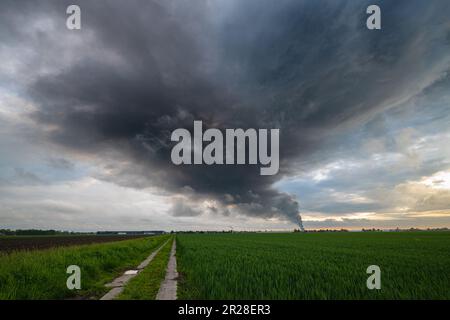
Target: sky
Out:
[86,115]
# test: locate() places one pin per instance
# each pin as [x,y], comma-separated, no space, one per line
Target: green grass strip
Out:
[42,274]
[145,285]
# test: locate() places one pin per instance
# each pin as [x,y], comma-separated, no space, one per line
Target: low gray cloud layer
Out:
[116,89]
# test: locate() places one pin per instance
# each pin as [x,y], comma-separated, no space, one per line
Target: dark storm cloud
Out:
[140,69]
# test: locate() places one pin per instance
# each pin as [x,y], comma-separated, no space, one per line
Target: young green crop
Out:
[42,274]
[414,265]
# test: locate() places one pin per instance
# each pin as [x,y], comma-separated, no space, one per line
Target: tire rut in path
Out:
[168,288]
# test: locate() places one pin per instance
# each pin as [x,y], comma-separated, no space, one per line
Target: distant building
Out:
[129,233]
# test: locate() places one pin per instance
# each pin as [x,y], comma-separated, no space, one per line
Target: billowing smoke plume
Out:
[139,69]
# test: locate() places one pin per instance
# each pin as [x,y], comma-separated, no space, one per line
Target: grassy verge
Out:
[145,286]
[42,274]
[414,265]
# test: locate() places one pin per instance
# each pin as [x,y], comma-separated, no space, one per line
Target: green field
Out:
[414,265]
[41,274]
